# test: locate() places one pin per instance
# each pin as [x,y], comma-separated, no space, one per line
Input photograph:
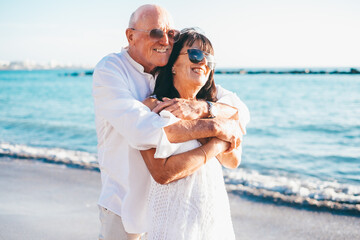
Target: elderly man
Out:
[124,125]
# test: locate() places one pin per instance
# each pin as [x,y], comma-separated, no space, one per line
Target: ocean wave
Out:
[268,132]
[54,155]
[309,191]
[294,190]
[325,128]
[34,124]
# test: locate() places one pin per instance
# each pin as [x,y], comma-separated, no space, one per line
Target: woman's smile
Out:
[198,70]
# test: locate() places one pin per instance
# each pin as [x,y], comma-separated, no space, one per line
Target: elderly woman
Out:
[197,206]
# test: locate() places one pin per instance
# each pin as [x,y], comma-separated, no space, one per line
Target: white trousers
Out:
[112,227]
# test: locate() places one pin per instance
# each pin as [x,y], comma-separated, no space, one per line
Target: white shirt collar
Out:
[135,64]
[139,67]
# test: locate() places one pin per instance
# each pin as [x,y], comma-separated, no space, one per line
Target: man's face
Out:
[151,52]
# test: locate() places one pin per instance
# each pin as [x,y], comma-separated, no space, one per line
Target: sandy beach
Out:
[52,201]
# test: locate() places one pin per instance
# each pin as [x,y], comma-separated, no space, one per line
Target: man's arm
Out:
[228,106]
[193,109]
[185,130]
[224,129]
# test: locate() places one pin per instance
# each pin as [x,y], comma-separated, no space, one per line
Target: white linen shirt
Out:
[124,126]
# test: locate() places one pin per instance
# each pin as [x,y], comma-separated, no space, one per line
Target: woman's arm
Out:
[166,170]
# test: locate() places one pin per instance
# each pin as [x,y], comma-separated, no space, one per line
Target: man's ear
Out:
[129,35]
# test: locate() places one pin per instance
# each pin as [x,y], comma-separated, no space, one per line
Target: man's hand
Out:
[230,131]
[187,109]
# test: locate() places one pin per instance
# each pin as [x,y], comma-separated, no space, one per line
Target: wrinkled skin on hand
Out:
[186,109]
[230,130]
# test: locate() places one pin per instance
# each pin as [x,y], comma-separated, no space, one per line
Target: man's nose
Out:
[165,39]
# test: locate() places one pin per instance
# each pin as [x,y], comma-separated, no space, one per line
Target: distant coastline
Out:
[31,65]
[84,70]
[290,71]
[253,71]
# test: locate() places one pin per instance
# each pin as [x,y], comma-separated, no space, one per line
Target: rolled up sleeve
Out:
[164,148]
[230,98]
[130,118]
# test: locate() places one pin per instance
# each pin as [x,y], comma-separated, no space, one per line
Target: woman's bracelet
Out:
[204,154]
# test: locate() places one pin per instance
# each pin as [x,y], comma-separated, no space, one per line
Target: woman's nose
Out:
[203,61]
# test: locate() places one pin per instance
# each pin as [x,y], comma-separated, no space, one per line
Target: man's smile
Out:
[162,50]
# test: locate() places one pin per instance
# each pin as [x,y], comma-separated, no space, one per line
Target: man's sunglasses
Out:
[196,56]
[157,33]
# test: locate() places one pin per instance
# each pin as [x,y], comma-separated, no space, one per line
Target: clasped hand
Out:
[227,130]
[187,109]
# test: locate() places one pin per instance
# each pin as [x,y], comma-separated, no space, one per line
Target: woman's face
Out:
[190,76]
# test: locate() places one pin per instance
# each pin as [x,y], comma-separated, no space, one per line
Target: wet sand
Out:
[49,201]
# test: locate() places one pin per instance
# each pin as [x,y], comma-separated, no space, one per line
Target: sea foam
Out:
[288,189]
[301,191]
[54,155]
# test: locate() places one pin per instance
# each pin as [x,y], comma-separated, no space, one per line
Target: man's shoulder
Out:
[231,98]
[222,91]
[112,68]
[110,60]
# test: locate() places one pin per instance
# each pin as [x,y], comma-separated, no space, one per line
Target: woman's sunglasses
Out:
[196,56]
[157,33]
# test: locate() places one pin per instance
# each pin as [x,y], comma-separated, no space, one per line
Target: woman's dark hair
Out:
[164,86]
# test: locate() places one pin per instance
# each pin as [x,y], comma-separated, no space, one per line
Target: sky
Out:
[245,33]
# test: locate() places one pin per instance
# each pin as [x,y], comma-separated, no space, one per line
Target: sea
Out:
[302,145]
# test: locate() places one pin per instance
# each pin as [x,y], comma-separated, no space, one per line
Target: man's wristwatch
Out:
[212,109]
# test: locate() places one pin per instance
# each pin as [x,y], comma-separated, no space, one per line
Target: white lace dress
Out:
[192,208]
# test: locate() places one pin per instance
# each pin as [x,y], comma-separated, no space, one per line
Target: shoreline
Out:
[258,219]
[80,72]
[244,71]
[53,201]
[242,182]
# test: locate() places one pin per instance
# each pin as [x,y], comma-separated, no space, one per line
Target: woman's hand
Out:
[227,159]
[220,145]
[229,130]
